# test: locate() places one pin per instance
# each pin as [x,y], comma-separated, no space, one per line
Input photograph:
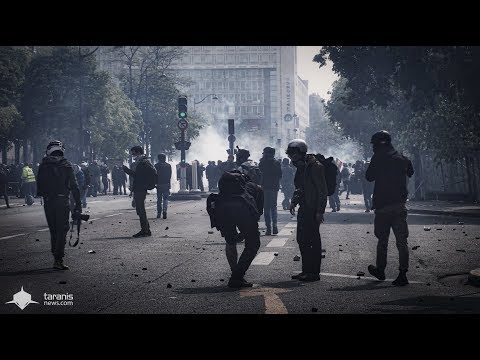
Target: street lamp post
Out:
[214,97]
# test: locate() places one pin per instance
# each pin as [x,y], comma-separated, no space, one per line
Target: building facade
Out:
[258,86]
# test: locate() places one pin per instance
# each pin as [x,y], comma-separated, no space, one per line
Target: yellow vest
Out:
[28,175]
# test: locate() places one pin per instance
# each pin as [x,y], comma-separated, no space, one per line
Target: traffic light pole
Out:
[183,165]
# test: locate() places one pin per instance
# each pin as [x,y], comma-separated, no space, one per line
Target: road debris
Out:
[91,251]
[296,258]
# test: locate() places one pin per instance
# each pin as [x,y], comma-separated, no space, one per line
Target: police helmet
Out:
[297,145]
[381,137]
[55,145]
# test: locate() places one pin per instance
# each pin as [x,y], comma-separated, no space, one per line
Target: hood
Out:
[56,160]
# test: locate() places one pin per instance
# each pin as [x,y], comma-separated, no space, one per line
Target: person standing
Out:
[28,181]
[164,177]
[288,187]
[56,180]
[271,171]
[311,196]
[389,169]
[142,176]
[87,186]
[4,184]
[334,199]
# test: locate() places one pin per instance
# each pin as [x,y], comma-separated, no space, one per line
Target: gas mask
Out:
[298,159]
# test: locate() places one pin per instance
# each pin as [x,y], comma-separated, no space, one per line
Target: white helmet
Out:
[297,144]
[55,145]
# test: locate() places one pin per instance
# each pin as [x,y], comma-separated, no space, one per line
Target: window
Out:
[208,59]
[254,59]
[187,60]
[231,85]
[242,59]
[230,59]
[264,59]
[197,59]
[242,97]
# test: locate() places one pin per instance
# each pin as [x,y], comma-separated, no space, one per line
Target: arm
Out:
[318,178]
[73,185]
[128,171]
[371,172]
[410,170]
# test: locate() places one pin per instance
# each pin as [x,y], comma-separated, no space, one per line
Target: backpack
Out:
[151,176]
[29,200]
[331,171]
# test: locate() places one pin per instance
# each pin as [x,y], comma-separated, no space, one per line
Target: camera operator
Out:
[55,181]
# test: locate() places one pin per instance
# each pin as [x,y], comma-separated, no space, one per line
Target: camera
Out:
[79,216]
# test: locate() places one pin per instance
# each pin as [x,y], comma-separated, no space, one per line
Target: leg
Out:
[382,226]
[62,213]
[266,211]
[229,232]
[273,210]
[49,209]
[248,227]
[165,195]
[159,201]
[303,241]
[400,229]
[139,197]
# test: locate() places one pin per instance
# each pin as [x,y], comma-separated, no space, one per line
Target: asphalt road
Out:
[182,268]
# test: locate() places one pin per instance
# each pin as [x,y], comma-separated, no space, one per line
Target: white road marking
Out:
[113,215]
[278,242]
[273,304]
[291,225]
[96,201]
[46,229]
[263,258]
[11,236]
[365,277]
[285,232]
[94,219]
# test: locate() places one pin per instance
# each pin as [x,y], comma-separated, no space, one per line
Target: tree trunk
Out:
[4,152]
[417,164]
[474,179]
[25,151]
[469,177]
[35,158]
[17,152]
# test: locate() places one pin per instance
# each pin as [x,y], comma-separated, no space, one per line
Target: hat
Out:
[269,150]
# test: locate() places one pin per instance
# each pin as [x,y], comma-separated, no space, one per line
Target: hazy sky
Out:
[319,80]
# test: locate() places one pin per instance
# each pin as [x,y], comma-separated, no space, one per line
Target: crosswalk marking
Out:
[285,232]
[113,215]
[278,242]
[263,258]
[291,225]
[11,236]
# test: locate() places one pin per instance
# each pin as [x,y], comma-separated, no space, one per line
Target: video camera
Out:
[79,216]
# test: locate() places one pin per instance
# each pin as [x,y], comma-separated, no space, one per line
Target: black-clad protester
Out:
[271,171]
[55,181]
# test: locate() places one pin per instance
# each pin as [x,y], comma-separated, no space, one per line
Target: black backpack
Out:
[331,171]
[152,175]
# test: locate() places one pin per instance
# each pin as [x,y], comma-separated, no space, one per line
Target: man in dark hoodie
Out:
[55,181]
[288,173]
[164,173]
[141,176]
[270,181]
[389,169]
[311,194]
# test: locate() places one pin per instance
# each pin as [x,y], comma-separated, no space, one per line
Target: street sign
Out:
[287,117]
[182,145]
[232,138]
[182,124]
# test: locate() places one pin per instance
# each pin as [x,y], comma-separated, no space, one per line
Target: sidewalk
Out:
[437,207]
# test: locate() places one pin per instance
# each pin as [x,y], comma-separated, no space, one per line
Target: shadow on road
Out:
[434,304]
[28,272]
[206,290]
[371,285]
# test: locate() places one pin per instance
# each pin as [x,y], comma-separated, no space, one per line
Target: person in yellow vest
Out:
[28,181]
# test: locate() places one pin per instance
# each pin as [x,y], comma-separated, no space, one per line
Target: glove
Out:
[292,208]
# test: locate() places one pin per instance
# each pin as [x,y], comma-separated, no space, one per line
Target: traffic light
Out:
[231,126]
[182,107]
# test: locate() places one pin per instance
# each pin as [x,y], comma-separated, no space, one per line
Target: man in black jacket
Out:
[389,169]
[270,181]
[4,184]
[164,176]
[140,186]
[55,181]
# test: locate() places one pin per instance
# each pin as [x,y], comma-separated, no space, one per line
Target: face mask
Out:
[297,159]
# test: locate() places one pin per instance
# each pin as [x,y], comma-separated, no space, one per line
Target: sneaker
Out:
[142,234]
[275,230]
[367,210]
[268,232]
[380,275]
[401,279]
[338,209]
[333,210]
[235,283]
[58,264]
[164,214]
[298,276]
[159,216]
[309,277]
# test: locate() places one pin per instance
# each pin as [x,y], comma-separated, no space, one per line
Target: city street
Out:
[182,268]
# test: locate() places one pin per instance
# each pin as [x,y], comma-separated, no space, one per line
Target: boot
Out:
[268,232]
[58,264]
[275,229]
[401,279]
[235,283]
[164,214]
[379,274]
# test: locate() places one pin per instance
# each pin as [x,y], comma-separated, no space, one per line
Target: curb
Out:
[443,212]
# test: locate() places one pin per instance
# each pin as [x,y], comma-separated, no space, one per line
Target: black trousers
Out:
[309,241]
[139,198]
[57,211]
[239,216]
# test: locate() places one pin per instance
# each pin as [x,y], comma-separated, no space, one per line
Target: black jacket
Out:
[389,169]
[271,170]
[140,174]
[56,177]
[164,173]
